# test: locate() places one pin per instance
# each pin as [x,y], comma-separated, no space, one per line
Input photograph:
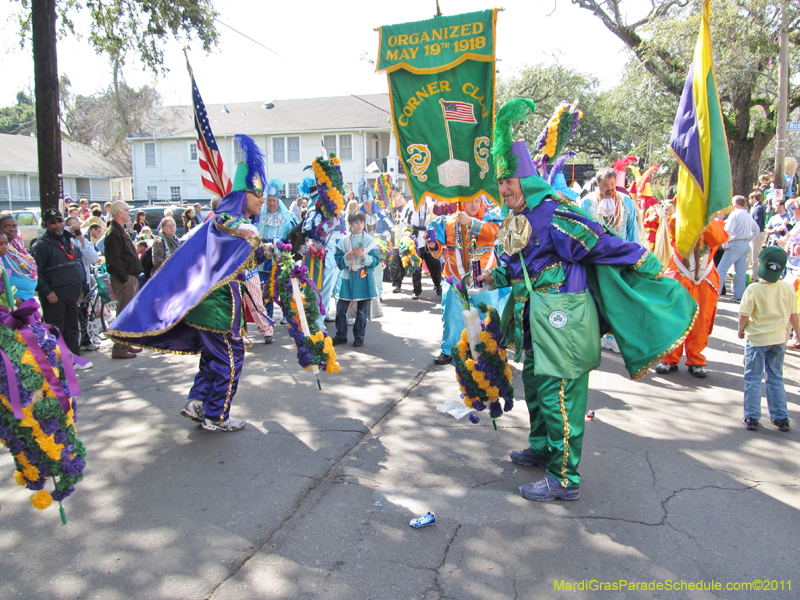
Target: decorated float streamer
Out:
[37,409]
[480,359]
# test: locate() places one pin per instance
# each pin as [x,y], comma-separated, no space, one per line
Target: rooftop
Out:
[19,154]
[370,111]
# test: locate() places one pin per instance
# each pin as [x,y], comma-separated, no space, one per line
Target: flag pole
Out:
[188,66]
[444,116]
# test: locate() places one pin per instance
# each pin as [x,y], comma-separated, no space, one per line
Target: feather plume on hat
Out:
[513,111]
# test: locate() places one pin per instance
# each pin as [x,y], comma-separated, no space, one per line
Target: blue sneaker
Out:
[528,458]
[548,488]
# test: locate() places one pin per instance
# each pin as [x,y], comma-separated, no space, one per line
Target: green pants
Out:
[557,408]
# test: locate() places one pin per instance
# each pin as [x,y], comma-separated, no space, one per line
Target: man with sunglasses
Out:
[61,277]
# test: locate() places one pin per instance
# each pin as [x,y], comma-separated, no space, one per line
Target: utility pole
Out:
[783,101]
[48,127]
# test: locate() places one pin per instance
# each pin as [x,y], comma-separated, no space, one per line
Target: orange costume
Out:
[462,243]
[459,243]
[703,285]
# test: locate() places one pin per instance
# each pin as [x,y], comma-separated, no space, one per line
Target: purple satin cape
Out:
[205,262]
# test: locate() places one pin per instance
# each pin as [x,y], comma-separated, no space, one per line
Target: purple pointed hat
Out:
[525,166]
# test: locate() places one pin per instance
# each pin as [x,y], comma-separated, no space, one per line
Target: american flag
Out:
[458,111]
[212,171]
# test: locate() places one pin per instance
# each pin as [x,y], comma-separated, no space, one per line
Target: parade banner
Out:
[441,76]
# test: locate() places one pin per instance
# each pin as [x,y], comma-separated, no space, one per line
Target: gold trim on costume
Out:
[566,433]
[577,239]
[112,333]
[641,260]
[643,371]
[555,265]
[543,288]
[230,381]
[570,216]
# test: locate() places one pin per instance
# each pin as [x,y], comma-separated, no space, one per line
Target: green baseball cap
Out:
[773,262]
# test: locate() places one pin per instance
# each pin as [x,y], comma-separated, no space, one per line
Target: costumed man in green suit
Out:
[571,278]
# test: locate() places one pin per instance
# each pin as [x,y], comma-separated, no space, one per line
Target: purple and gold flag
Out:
[699,143]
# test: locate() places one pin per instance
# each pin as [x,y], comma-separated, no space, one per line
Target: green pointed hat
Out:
[250,174]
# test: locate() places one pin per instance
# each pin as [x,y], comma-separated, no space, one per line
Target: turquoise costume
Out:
[358,280]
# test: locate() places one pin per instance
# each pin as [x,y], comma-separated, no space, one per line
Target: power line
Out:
[349,93]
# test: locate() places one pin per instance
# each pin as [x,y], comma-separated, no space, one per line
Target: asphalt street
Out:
[314,497]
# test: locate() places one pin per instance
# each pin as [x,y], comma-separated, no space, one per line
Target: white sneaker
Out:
[83,367]
[351,321]
[611,344]
[227,425]
[195,410]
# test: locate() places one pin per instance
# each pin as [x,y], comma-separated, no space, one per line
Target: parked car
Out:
[29,221]
[155,213]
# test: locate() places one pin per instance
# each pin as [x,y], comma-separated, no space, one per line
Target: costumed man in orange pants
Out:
[702,282]
[467,235]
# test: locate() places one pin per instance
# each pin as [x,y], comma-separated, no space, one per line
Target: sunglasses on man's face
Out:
[257,193]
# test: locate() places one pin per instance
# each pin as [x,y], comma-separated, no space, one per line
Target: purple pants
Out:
[217,377]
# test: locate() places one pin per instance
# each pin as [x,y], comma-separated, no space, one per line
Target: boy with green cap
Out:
[767,305]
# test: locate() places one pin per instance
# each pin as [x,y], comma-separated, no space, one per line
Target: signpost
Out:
[793,126]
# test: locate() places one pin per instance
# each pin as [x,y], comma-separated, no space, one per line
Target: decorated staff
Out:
[37,408]
[322,225]
[298,298]
[553,253]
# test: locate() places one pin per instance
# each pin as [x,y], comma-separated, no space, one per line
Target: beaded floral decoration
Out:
[330,185]
[44,443]
[383,189]
[408,253]
[316,348]
[484,379]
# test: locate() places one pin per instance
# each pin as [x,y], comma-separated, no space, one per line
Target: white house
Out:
[86,174]
[291,132]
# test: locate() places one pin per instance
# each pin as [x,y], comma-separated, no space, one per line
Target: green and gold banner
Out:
[441,83]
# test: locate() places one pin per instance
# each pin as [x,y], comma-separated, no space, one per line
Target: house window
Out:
[238,155]
[175,193]
[192,151]
[329,141]
[345,147]
[149,154]
[293,145]
[152,192]
[278,150]
[294,192]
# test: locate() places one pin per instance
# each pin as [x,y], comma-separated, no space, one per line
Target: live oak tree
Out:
[118,27]
[745,42]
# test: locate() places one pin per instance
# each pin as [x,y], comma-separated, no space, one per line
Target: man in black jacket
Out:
[62,279]
[123,266]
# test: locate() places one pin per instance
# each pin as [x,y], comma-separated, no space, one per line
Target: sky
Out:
[319,49]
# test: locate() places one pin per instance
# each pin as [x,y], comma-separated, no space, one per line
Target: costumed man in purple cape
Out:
[193,304]
[570,279]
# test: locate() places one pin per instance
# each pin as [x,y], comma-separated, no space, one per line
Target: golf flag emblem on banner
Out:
[699,143]
[441,76]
